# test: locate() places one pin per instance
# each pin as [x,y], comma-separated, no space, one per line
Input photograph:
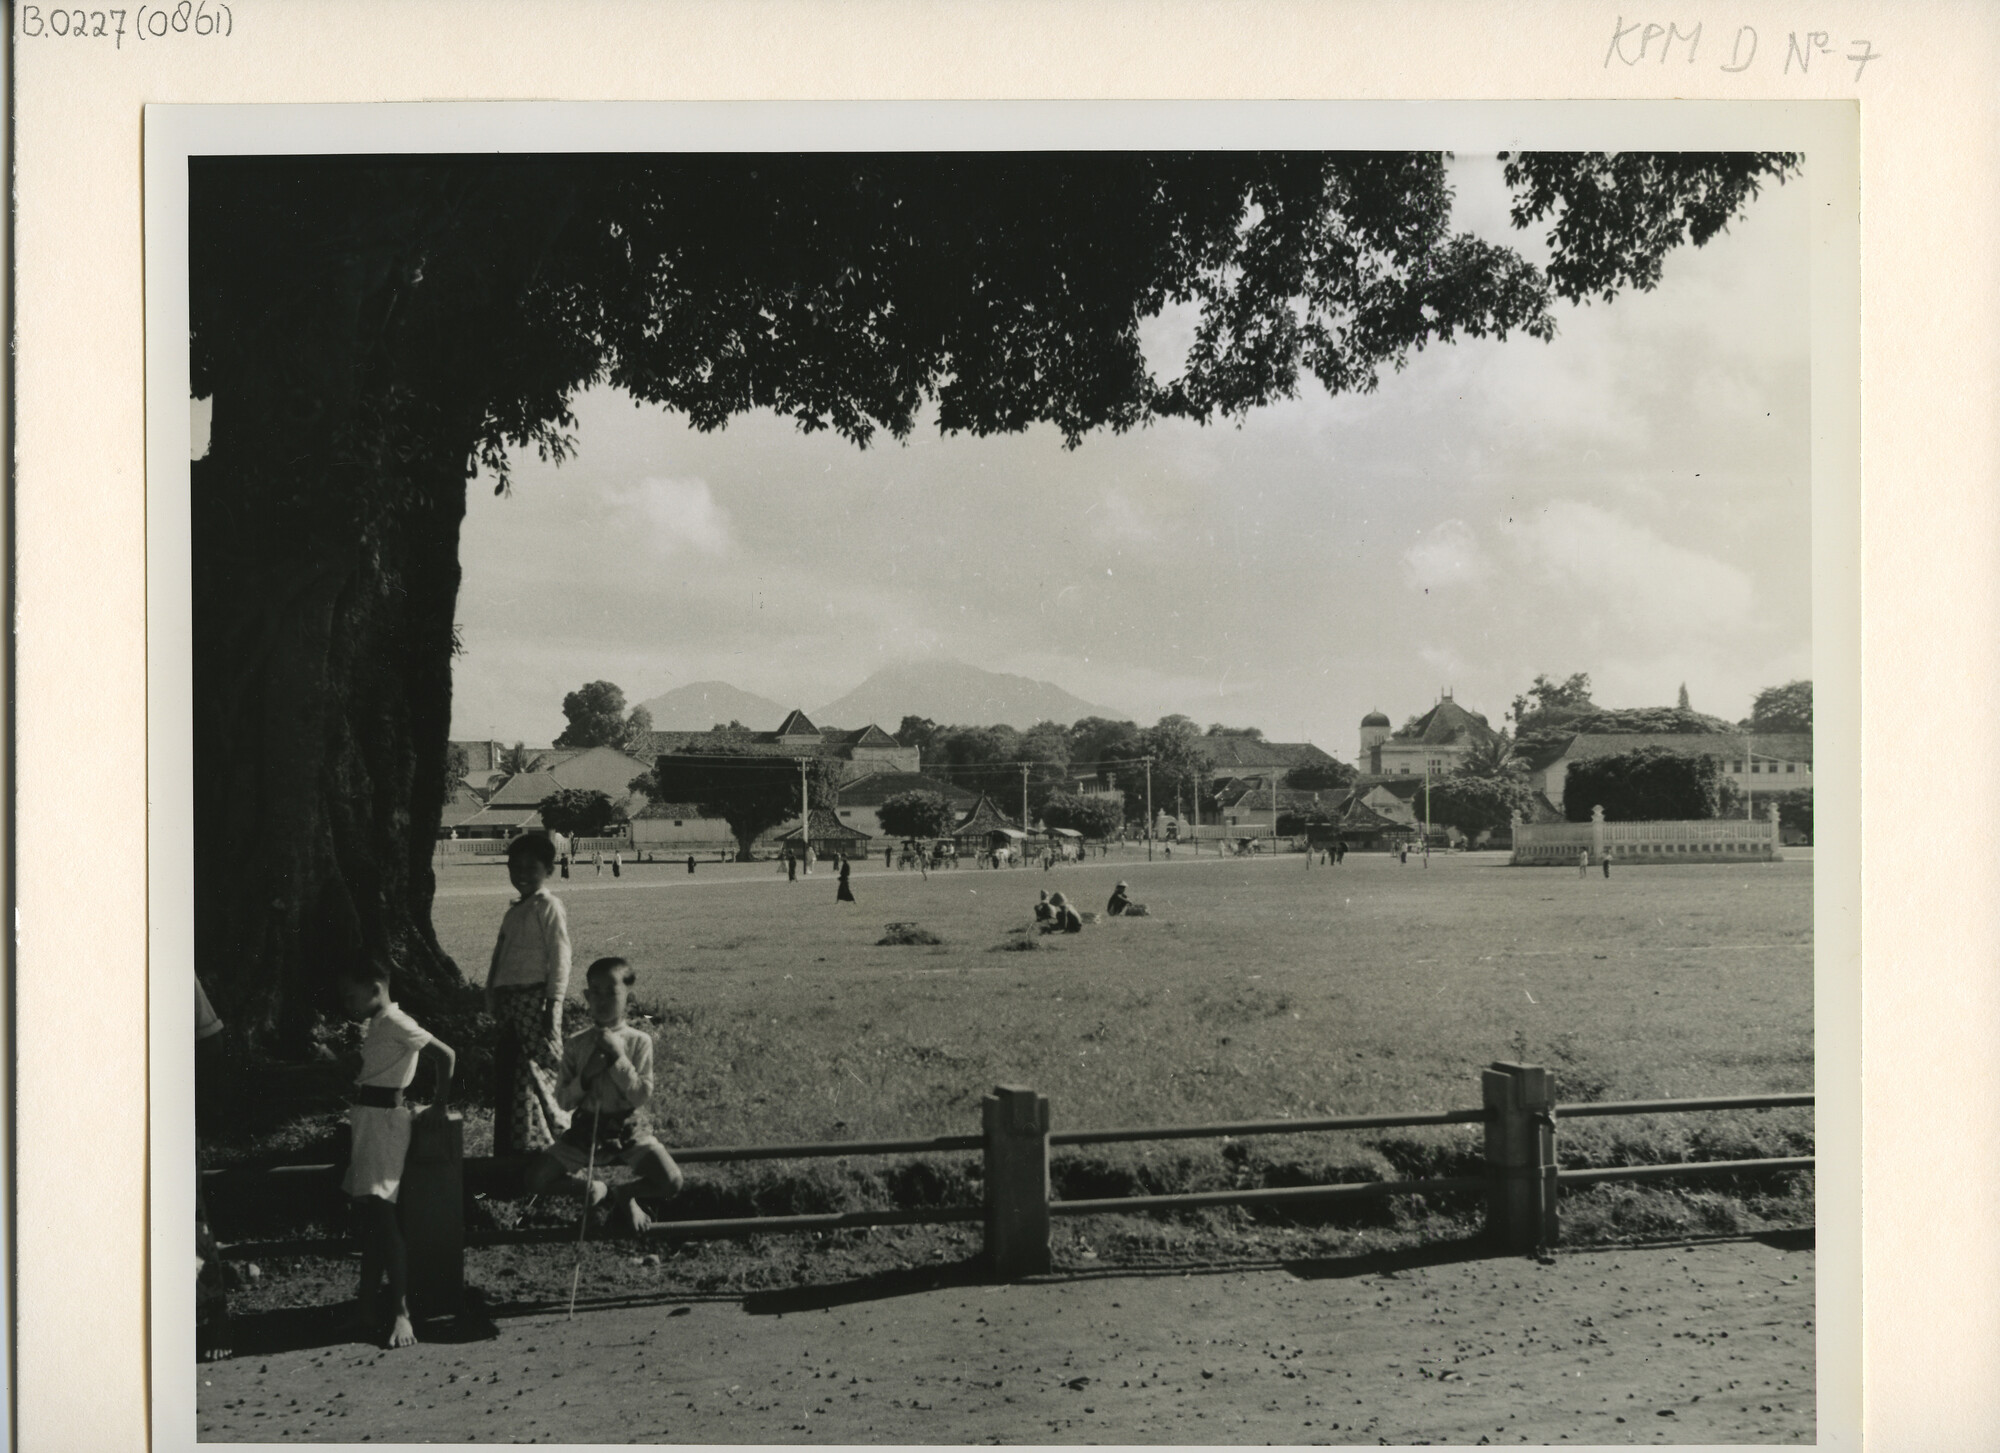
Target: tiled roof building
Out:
[1238,754]
[866,749]
[1437,741]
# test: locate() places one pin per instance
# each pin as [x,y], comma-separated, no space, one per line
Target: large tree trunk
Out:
[322,676]
[350,324]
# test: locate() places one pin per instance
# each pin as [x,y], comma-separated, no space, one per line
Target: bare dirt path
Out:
[1703,1343]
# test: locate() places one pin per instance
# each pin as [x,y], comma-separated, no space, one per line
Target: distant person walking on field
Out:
[617,863]
[1606,861]
[525,985]
[1583,862]
[845,893]
[791,868]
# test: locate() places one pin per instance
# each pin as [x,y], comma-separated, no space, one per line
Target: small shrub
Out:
[906,933]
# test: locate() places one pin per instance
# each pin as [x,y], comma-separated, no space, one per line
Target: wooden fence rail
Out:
[1521,1179]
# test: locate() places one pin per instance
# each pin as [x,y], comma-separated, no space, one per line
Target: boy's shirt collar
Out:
[541,891]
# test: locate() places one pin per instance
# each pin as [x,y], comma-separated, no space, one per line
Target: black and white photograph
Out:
[926,775]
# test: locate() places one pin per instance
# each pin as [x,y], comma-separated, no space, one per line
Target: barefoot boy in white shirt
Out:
[606,1084]
[381,1124]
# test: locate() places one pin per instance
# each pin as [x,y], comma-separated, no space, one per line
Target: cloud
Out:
[1449,554]
[1623,571]
[677,514]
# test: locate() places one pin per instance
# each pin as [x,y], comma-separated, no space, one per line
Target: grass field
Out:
[1257,988]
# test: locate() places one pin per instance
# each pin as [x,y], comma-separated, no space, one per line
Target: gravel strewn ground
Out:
[1704,1343]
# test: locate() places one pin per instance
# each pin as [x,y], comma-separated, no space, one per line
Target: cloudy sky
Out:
[1631,500]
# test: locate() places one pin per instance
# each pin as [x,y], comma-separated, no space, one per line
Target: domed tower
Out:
[1374,732]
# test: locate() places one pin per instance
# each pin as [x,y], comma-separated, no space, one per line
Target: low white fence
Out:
[1709,840]
[470,848]
[464,848]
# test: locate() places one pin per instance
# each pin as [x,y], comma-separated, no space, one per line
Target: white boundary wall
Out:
[1711,840]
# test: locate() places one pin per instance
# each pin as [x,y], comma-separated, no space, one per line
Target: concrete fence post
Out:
[1016,1124]
[1520,1156]
[431,1207]
[1596,835]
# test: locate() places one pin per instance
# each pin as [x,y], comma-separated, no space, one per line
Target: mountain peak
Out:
[955,693]
[700,705]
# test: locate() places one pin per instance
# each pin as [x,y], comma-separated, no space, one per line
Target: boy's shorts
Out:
[381,1142]
[628,1140]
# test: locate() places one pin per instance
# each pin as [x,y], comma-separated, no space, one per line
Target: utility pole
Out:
[1024,797]
[1149,809]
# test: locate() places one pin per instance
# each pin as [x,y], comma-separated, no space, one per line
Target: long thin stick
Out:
[583,1221]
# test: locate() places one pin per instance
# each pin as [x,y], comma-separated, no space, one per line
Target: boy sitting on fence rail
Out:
[606,1084]
[380,1125]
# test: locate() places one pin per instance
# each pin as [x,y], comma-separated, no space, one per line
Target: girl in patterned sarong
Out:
[525,987]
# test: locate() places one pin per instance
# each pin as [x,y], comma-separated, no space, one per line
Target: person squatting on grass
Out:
[525,986]
[1063,918]
[380,1125]
[607,1081]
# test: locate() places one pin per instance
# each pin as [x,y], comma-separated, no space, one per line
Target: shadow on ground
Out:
[302,1329]
[1377,1263]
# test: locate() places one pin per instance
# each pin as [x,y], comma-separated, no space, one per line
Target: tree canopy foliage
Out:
[918,814]
[1795,808]
[1094,817]
[1646,784]
[579,812]
[1181,766]
[1472,805]
[1550,703]
[752,792]
[1787,708]
[457,766]
[374,329]
[1321,776]
[597,718]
